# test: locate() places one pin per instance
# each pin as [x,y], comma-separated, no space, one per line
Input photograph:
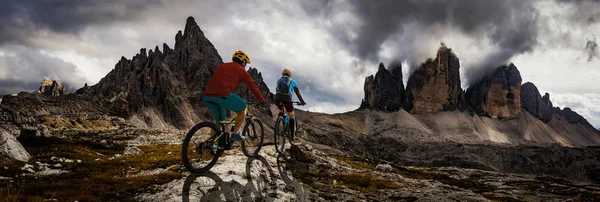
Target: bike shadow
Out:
[292,168]
[262,183]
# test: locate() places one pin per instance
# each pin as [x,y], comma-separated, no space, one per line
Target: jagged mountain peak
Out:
[164,88]
[532,102]
[381,67]
[191,26]
[497,94]
[435,85]
[385,90]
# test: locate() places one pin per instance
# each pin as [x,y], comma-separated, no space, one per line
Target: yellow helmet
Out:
[286,72]
[239,54]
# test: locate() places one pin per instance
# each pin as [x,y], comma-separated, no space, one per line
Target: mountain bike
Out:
[282,130]
[205,142]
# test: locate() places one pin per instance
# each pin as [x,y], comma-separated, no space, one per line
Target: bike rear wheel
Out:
[199,150]
[279,135]
[255,133]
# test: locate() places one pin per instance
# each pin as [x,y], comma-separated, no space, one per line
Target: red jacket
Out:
[227,77]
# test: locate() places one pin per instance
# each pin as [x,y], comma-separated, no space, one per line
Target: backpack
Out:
[283,85]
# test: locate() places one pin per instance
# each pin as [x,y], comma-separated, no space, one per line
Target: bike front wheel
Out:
[255,133]
[279,134]
[201,148]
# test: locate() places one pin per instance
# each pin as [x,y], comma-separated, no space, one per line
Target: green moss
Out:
[355,162]
[473,185]
[410,173]
[92,180]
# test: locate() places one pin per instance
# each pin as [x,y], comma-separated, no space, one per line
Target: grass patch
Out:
[410,173]
[91,180]
[558,187]
[355,162]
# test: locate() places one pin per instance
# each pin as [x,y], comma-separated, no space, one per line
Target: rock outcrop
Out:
[86,90]
[497,95]
[27,110]
[435,85]
[385,90]
[52,88]
[165,88]
[11,151]
[571,116]
[536,105]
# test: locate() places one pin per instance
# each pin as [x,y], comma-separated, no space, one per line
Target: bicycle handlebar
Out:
[299,103]
[295,102]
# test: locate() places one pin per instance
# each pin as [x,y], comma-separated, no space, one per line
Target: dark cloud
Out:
[591,48]
[23,19]
[315,92]
[508,24]
[17,86]
[322,8]
[24,68]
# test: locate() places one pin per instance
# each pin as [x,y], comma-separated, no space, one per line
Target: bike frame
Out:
[225,123]
[286,118]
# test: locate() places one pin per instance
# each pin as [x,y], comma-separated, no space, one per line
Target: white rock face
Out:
[236,178]
[384,167]
[132,150]
[11,150]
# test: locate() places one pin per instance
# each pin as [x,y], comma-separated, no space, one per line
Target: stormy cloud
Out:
[500,30]
[331,45]
[24,68]
[591,49]
[22,20]
[508,25]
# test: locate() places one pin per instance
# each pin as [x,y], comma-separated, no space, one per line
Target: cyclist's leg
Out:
[289,107]
[281,106]
[235,103]
[219,112]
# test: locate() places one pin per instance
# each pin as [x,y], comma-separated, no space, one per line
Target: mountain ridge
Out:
[470,151]
[435,87]
[165,88]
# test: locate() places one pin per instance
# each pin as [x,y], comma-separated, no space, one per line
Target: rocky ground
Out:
[117,140]
[135,169]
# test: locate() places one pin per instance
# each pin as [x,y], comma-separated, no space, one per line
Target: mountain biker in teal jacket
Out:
[286,86]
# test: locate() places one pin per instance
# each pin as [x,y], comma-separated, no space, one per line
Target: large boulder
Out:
[435,85]
[11,151]
[498,94]
[536,105]
[52,88]
[385,90]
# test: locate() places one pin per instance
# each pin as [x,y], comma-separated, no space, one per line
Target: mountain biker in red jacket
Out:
[219,96]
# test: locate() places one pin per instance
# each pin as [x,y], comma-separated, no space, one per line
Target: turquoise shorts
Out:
[219,105]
